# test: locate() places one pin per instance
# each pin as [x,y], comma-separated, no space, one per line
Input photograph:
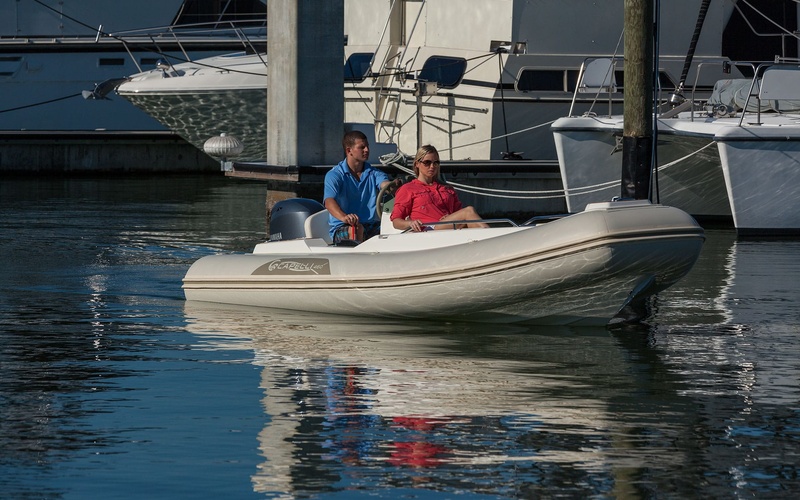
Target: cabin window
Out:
[9,65]
[530,80]
[447,72]
[572,79]
[557,80]
[148,61]
[666,82]
[356,68]
[111,61]
[214,11]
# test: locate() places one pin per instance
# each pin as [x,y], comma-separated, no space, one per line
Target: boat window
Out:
[572,79]
[356,68]
[549,80]
[665,82]
[111,61]
[541,80]
[9,65]
[213,11]
[447,72]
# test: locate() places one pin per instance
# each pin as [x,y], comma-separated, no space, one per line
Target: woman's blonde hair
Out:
[421,153]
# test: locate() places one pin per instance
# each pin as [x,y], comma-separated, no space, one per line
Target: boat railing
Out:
[775,82]
[242,30]
[250,33]
[694,100]
[772,82]
[222,29]
[596,76]
[543,219]
[533,221]
[456,223]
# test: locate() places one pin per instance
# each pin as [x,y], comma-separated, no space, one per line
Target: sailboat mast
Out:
[677,97]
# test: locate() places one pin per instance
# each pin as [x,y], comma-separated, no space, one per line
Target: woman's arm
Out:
[403,224]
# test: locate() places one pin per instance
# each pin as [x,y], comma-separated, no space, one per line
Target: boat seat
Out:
[779,88]
[316,226]
[386,222]
[598,76]
[780,83]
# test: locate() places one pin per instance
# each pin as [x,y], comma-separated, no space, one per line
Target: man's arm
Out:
[397,183]
[336,211]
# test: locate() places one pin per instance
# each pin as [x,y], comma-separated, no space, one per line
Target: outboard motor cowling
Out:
[287,218]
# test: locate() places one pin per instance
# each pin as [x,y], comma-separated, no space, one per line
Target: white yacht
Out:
[589,148]
[54,55]
[482,81]
[197,101]
[734,155]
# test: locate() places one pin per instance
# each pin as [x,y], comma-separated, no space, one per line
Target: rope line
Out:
[521,131]
[142,46]
[40,103]
[396,159]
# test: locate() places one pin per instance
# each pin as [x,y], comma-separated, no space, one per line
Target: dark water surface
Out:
[112,386]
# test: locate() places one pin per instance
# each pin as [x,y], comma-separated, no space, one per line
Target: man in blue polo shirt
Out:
[351,188]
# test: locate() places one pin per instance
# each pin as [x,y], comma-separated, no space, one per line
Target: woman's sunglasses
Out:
[428,163]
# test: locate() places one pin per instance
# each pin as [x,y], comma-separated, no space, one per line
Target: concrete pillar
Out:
[305,100]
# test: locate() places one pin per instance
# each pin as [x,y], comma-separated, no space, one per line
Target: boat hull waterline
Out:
[578,270]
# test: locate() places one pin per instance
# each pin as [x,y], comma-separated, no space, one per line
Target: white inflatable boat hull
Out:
[580,269]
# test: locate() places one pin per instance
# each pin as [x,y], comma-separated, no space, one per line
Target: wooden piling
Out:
[637,136]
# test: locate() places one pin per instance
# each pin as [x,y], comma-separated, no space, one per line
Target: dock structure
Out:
[87,153]
[305,117]
[305,110]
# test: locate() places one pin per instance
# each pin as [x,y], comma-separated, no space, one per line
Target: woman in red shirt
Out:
[425,199]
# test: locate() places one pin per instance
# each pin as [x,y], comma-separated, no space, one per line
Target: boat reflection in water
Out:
[761,282]
[742,299]
[736,284]
[363,404]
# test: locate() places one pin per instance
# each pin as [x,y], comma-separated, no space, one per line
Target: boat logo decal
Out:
[295,266]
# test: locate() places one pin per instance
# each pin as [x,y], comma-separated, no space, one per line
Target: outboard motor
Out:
[287,218]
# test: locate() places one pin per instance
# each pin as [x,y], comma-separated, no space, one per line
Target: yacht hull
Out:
[590,162]
[762,176]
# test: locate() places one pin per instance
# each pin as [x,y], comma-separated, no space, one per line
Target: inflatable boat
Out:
[587,268]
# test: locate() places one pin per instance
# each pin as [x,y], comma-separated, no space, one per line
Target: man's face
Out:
[360,150]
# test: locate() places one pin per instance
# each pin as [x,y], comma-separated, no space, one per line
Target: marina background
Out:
[113,386]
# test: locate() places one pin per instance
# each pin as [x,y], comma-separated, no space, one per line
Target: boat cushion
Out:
[316,226]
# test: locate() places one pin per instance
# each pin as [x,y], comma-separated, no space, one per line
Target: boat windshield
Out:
[445,71]
[357,66]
